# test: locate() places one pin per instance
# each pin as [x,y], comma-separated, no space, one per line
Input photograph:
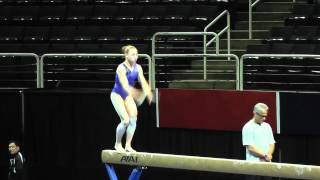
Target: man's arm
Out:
[270,152]
[18,163]
[256,151]
[271,144]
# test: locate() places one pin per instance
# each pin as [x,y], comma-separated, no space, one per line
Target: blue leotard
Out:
[132,76]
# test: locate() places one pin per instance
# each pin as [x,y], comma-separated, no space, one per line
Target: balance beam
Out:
[197,163]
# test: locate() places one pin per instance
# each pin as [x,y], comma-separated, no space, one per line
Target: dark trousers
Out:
[15,177]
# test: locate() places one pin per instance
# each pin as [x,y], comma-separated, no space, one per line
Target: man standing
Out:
[16,162]
[258,138]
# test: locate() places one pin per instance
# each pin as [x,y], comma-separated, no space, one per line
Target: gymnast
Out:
[125,98]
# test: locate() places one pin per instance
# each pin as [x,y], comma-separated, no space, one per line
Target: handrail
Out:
[227,28]
[206,45]
[251,5]
[28,55]
[267,55]
[151,77]
[208,55]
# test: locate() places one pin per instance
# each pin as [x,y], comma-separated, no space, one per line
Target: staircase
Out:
[268,14]
[221,74]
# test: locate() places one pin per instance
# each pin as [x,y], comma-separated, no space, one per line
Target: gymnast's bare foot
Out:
[119,148]
[130,149]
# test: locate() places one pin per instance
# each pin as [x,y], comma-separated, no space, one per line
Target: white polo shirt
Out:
[259,135]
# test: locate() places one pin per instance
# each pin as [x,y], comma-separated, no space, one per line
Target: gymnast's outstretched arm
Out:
[144,84]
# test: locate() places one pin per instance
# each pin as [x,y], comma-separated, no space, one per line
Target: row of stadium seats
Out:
[43,48]
[304,14]
[159,14]
[284,48]
[299,74]
[58,2]
[133,34]
[295,34]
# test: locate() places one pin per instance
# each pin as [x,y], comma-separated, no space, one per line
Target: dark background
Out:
[300,113]
[65,131]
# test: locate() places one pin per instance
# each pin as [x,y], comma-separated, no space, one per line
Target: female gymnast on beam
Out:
[125,98]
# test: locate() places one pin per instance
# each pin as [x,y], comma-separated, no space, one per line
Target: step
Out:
[256,34]
[258,25]
[223,65]
[274,7]
[202,84]
[290,1]
[261,16]
[238,52]
[243,4]
[198,74]
[238,43]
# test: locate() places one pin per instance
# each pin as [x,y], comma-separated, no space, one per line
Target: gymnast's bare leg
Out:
[133,113]
[120,108]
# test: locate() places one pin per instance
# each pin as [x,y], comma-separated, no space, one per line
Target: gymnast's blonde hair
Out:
[125,49]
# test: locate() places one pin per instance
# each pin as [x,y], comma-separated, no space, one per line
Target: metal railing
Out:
[251,5]
[241,73]
[205,33]
[207,55]
[225,29]
[38,79]
[151,77]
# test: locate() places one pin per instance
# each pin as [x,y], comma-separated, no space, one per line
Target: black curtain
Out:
[65,133]
[11,126]
[299,113]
